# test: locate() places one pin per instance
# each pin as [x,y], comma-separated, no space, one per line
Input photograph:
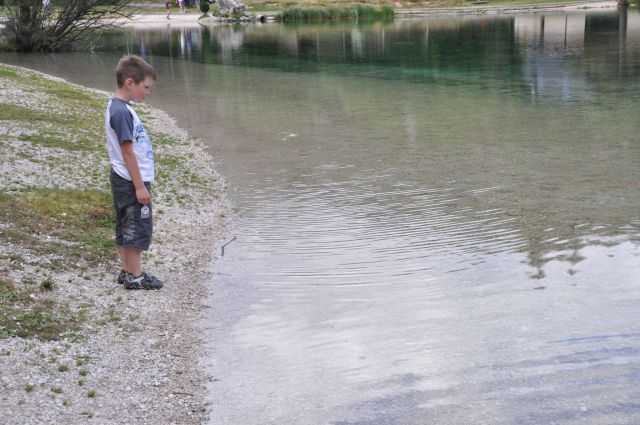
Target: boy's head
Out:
[133,67]
[135,78]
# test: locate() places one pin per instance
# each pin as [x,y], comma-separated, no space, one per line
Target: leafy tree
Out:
[204,7]
[65,23]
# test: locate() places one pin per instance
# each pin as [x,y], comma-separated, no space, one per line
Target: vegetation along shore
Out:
[73,344]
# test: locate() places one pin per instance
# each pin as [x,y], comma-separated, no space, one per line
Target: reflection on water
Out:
[467,47]
[439,219]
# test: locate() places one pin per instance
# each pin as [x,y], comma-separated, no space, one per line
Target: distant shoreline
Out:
[508,9]
[154,19]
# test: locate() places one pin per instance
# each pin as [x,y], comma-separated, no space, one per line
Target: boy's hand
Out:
[143,195]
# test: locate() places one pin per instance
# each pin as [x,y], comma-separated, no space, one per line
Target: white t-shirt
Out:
[122,123]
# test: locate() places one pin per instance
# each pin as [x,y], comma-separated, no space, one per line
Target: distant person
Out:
[46,5]
[167,5]
[132,170]
[181,3]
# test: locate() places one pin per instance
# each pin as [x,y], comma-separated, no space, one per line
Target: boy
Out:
[132,170]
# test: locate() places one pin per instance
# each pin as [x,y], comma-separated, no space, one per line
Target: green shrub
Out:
[47,284]
[204,7]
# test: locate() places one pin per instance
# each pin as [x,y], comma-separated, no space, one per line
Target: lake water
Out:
[438,220]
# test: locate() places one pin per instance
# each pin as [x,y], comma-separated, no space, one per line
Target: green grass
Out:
[167,165]
[82,360]
[74,116]
[73,94]
[20,113]
[113,315]
[47,284]
[81,221]
[24,314]
[160,139]
[8,73]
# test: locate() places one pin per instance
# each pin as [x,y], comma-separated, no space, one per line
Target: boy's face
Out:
[138,91]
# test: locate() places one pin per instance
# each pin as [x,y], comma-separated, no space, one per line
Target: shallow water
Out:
[438,219]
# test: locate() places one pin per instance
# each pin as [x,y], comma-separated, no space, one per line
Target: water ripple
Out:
[363,227]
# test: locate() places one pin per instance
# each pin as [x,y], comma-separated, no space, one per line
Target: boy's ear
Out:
[128,82]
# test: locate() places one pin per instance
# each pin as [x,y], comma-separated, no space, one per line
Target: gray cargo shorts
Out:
[132,231]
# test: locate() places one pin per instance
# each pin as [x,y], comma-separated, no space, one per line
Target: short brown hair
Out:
[133,67]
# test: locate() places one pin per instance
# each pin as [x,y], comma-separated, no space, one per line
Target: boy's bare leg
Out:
[132,261]
[123,259]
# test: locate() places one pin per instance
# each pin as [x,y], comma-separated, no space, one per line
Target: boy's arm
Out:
[132,166]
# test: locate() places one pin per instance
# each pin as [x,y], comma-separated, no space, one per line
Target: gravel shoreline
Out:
[135,359]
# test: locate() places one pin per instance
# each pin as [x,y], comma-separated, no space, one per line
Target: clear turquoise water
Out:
[437,222]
